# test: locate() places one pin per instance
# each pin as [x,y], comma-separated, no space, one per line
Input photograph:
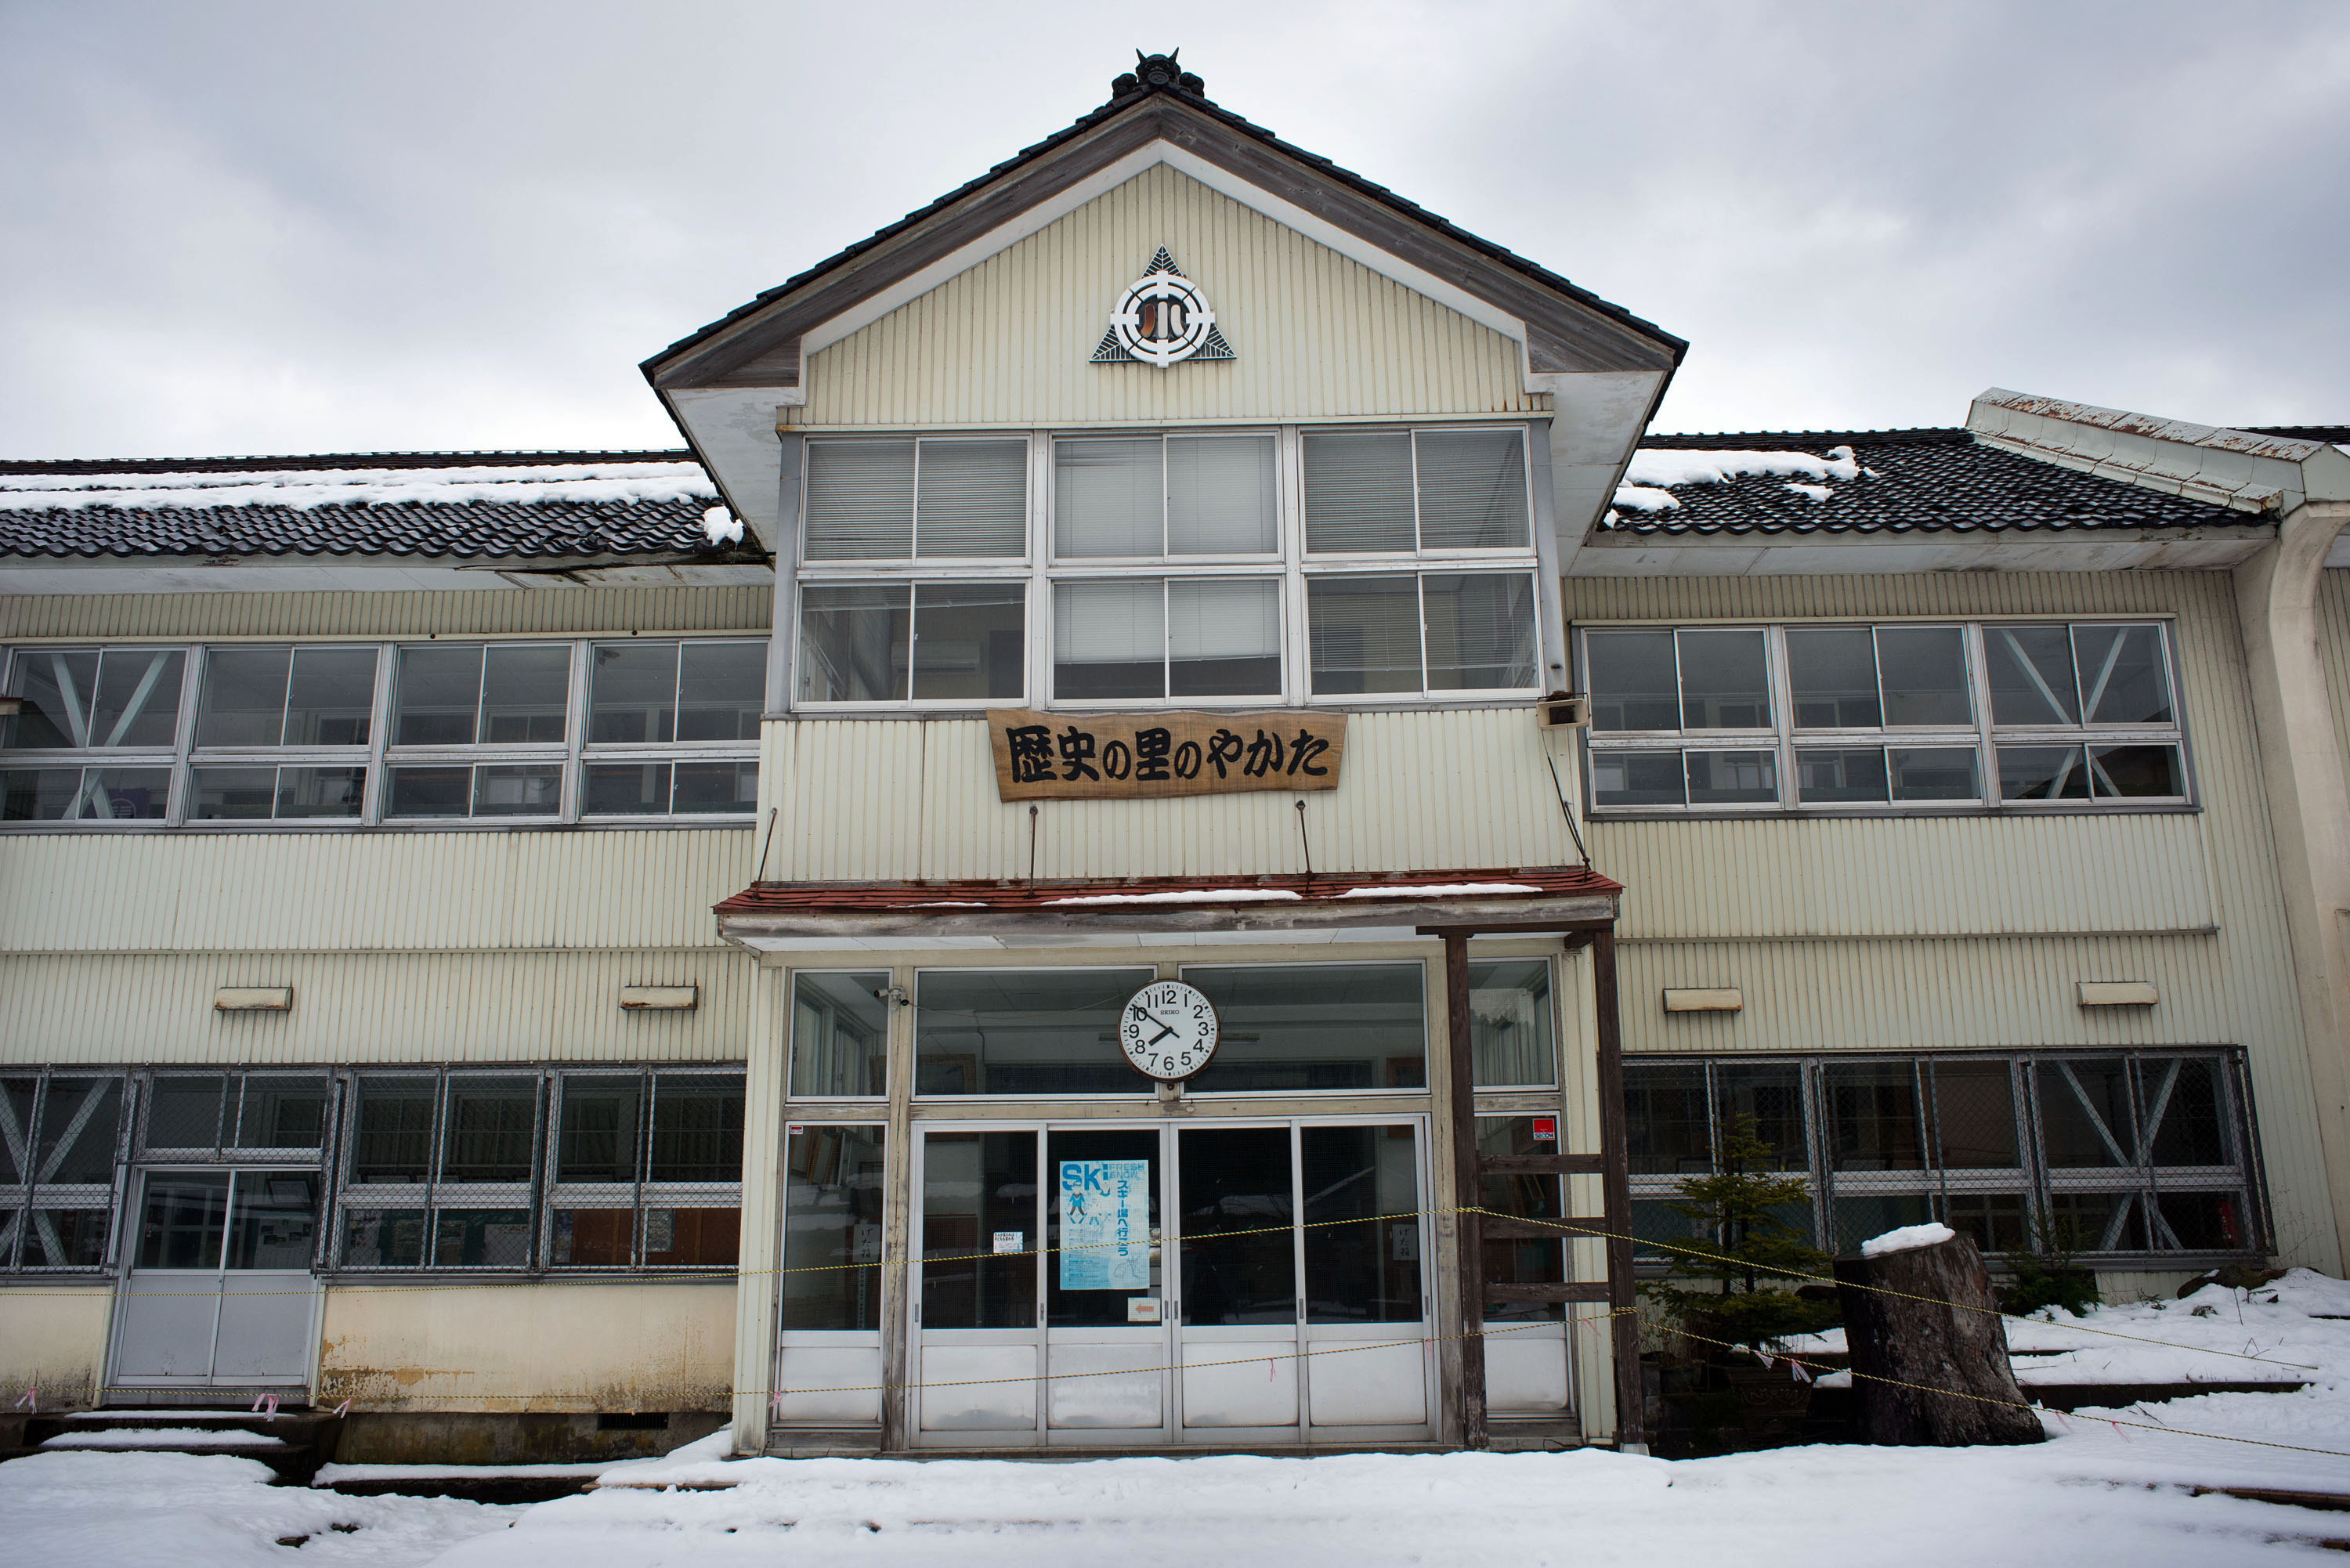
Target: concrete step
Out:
[293,1443]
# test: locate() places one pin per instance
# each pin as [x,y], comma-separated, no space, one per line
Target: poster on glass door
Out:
[1105,1224]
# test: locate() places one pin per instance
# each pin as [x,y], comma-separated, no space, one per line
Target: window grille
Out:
[2110,1154]
[1886,717]
[62,1144]
[330,735]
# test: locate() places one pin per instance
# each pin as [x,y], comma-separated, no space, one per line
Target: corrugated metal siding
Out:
[1887,876]
[372,1007]
[448,611]
[1928,993]
[888,799]
[1717,882]
[344,892]
[2334,649]
[1315,335]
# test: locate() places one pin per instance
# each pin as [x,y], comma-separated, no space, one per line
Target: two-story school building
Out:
[1168,834]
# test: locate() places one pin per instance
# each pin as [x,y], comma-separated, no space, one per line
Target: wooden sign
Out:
[1144,756]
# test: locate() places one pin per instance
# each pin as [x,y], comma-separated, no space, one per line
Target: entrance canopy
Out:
[801,917]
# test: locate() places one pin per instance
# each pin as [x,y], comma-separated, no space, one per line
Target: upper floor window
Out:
[1184,567]
[431,732]
[1890,716]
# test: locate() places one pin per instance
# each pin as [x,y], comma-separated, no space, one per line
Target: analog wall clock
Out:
[1167,1030]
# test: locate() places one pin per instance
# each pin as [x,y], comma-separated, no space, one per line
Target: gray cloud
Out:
[289,228]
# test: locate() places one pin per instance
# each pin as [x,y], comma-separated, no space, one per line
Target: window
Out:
[526,1171]
[840,1036]
[319,735]
[1023,1032]
[1512,1033]
[647,1171]
[833,1198]
[1883,716]
[94,734]
[1413,634]
[60,1145]
[2108,1154]
[1302,1027]
[673,728]
[1184,567]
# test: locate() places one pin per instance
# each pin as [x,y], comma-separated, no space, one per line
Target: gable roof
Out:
[1878,482]
[607,506]
[1569,328]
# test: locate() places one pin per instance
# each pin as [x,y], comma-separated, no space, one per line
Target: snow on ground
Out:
[160,1437]
[2082,1499]
[207,1511]
[2109,1487]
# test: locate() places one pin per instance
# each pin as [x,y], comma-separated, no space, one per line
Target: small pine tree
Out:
[1745,1246]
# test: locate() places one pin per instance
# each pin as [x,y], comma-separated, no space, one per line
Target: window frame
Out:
[2032,1179]
[183,757]
[1784,740]
[1291,564]
[21,1200]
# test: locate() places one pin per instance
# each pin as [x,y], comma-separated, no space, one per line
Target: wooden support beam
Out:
[1467,1191]
[1544,1164]
[1631,1402]
[1574,1227]
[1552,1295]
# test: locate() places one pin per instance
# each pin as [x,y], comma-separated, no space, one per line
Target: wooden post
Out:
[1915,1322]
[1631,1400]
[1468,1190]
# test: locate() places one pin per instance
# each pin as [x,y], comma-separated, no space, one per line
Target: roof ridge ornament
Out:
[1161,319]
[1158,73]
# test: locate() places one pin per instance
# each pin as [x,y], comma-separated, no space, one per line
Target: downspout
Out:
[2309,812]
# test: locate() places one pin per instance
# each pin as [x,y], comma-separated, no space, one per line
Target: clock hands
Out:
[1164,1031]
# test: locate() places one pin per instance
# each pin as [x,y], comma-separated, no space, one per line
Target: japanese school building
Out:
[1171,762]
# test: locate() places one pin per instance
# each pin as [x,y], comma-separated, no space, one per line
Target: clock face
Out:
[1167,1030]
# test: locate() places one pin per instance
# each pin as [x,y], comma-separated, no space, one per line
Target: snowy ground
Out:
[2097,1492]
[206,1510]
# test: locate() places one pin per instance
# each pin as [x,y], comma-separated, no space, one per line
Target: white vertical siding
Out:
[450,612]
[916,800]
[372,1007]
[360,891]
[2334,651]
[1315,335]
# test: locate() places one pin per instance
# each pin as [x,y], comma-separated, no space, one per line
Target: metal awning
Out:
[1363,907]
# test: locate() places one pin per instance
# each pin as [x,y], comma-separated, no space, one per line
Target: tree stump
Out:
[1914,1342]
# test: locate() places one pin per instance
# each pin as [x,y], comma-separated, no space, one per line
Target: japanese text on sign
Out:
[1105,1224]
[1074,756]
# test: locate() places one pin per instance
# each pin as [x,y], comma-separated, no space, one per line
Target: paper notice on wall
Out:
[1011,1242]
[1105,1224]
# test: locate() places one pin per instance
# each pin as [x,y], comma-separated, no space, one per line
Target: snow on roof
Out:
[307,488]
[1187,895]
[1653,472]
[1440,890]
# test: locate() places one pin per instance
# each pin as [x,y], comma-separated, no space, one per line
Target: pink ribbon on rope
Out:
[31,1401]
[269,1400]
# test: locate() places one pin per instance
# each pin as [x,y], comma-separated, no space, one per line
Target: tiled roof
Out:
[1878,482]
[1129,92]
[602,505]
[1141,895]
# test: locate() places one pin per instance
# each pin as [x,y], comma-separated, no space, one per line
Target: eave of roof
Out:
[1120,104]
[535,523]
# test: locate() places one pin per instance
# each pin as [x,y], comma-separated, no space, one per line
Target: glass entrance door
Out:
[220,1293]
[1057,1303]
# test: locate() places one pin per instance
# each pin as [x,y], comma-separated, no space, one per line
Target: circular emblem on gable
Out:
[1162,319]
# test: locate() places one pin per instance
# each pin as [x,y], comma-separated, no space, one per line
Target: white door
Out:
[220,1293]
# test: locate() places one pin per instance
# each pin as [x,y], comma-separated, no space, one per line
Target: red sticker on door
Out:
[1545,1129]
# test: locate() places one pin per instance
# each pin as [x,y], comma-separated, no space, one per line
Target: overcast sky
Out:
[285,228]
